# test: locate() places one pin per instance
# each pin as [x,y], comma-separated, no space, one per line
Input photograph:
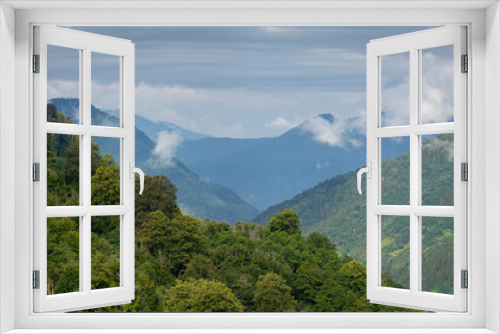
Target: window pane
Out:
[437,254]
[63,84]
[105,252]
[437,170]
[395,181]
[396,251]
[395,95]
[105,89]
[63,170]
[437,85]
[63,255]
[105,171]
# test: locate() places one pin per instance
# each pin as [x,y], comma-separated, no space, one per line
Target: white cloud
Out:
[396,105]
[326,132]
[437,90]
[62,88]
[446,146]
[320,165]
[166,146]
[337,133]
[283,123]
[106,96]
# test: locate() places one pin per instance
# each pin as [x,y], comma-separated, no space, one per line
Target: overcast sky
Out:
[234,81]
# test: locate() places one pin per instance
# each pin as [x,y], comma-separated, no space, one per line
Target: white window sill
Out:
[251,331]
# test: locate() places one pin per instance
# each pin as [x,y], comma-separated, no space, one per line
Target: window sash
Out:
[414,297]
[87,43]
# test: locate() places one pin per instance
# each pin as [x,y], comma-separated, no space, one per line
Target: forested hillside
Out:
[186,264]
[335,209]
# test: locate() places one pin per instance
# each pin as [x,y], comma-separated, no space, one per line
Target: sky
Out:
[242,82]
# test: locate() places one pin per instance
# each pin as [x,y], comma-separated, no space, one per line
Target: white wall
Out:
[7,163]
[492,164]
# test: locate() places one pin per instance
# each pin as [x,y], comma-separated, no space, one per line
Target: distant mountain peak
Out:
[327,117]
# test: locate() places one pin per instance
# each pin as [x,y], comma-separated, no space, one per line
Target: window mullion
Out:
[85,231]
[414,173]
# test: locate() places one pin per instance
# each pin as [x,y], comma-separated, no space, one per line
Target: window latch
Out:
[368,171]
[133,170]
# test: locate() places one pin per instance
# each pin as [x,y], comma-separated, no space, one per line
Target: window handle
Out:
[133,170]
[368,171]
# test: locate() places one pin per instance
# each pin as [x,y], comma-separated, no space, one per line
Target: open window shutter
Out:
[399,238]
[67,228]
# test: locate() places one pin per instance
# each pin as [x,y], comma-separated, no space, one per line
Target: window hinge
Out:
[36,279]
[36,172]
[465,279]
[465,64]
[36,63]
[464,171]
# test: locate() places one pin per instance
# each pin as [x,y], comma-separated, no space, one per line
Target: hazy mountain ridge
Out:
[266,171]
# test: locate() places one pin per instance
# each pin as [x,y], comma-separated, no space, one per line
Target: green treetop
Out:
[272,294]
[286,221]
[202,296]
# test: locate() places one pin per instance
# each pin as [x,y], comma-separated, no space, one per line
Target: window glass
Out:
[63,251]
[395,252]
[437,85]
[105,252]
[63,85]
[395,93]
[437,169]
[105,89]
[395,181]
[63,170]
[105,171]
[437,254]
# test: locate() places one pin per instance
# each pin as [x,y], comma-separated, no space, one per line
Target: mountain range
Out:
[266,171]
[195,196]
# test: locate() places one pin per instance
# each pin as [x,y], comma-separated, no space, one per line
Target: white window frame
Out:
[484,211]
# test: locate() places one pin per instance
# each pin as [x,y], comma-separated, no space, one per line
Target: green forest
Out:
[334,209]
[187,264]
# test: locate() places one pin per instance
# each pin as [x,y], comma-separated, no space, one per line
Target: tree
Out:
[200,266]
[159,195]
[177,240]
[62,255]
[309,279]
[106,186]
[286,221]
[272,294]
[344,290]
[202,296]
